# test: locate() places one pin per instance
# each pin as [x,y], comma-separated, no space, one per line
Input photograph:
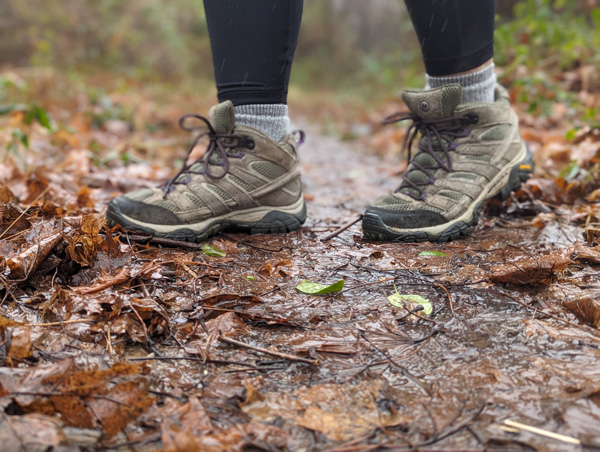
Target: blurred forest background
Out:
[146,62]
[343,42]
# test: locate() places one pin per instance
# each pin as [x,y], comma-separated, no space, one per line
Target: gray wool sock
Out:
[270,119]
[477,87]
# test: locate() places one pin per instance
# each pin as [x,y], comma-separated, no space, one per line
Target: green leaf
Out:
[35,112]
[570,171]
[407,300]
[213,251]
[432,253]
[311,288]
[22,137]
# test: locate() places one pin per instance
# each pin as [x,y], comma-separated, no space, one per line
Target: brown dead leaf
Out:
[11,220]
[118,405]
[183,430]
[585,253]
[587,309]
[341,412]
[37,433]
[20,343]
[85,243]
[83,198]
[266,269]
[25,263]
[51,210]
[532,270]
[6,195]
[111,397]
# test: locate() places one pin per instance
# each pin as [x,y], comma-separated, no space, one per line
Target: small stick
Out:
[65,322]
[541,311]
[542,432]
[449,296]
[162,241]
[228,340]
[342,229]
[423,386]
[119,278]
[365,285]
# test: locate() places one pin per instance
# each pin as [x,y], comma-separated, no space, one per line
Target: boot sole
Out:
[261,220]
[508,181]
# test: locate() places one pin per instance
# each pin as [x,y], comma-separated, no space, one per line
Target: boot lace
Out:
[437,135]
[221,147]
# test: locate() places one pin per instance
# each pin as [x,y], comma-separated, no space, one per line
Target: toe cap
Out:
[408,219]
[140,211]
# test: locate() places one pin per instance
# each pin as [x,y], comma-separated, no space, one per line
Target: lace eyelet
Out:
[471,118]
[246,142]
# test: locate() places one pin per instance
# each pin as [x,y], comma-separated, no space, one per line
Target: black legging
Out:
[253,42]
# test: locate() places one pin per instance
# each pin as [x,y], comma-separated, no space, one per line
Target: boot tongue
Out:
[437,103]
[222,117]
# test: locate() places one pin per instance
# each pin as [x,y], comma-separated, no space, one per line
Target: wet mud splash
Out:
[111,341]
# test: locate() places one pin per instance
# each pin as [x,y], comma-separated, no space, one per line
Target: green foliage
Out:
[544,39]
[553,34]
[139,37]
[410,301]
[312,288]
[433,253]
[212,251]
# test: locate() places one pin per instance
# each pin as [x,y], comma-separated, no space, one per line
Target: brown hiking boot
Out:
[467,154]
[244,182]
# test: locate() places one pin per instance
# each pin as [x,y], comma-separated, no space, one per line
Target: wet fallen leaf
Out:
[532,270]
[212,251]
[587,309]
[311,288]
[85,243]
[410,301]
[586,253]
[432,253]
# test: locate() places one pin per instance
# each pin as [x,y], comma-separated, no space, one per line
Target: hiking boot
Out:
[467,154]
[244,182]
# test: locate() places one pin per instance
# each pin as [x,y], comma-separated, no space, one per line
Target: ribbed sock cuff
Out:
[477,86]
[270,119]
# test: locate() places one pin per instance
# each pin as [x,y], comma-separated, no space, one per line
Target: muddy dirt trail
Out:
[136,346]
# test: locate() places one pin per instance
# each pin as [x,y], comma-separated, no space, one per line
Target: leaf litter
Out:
[113,340]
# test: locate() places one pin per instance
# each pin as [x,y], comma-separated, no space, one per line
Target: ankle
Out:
[478,84]
[270,119]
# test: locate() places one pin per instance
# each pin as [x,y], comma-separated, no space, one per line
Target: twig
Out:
[453,430]
[547,313]
[342,229]
[542,432]
[119,278]
[65,322]
[372,283]
[450,303]
[199,360]
[228,340]
[68,394]
[145,239]
[404,371]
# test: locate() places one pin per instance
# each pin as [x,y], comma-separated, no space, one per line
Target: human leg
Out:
[457,43]
[469,149]
[248,179]
[253,45]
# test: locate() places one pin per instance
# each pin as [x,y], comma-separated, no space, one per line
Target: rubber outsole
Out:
[275,222]
[375,229]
